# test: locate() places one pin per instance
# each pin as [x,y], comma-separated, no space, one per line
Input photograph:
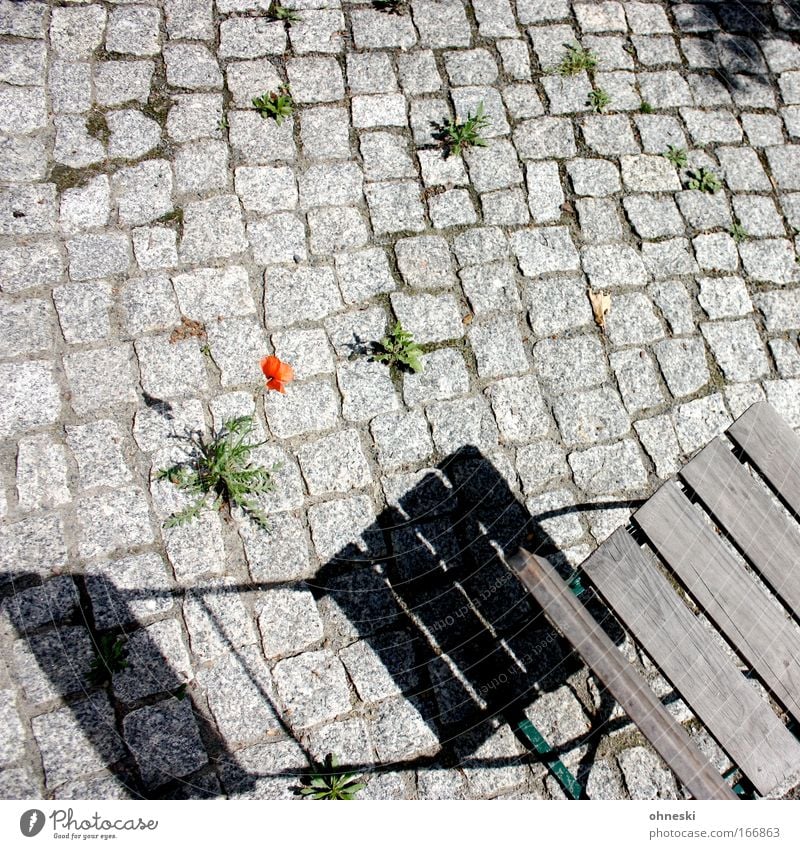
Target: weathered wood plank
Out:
[725,590]
[772,447]
[766,534]
[698,667]
[623,682]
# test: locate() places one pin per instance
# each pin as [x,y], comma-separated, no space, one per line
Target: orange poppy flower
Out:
[277,373]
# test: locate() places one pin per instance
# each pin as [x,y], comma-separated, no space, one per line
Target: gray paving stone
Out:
[216,619]
[54,601]
[278,239]
[545,249]
[716,252]
[661,443]
[637,380]
[452,208]
[781,310]
[632,320]
[519,408]
[540,464]
[119,82]
[460,423]
[368,664]
[205,237]
[29,396]
[194,116]
[312,687]
[493,764]
[784,395]
[653,217]
[567,94]
[349,738]
[613,265]
[370,73]
[565,364]
[165,741]
[497,344]
[505,207]
[279,555]
[669,258]
[23,158]
[42,473]
[698,422]
[385,156]
[191,66]
[240,696]
[737,348]
[236,346]
[113,521]
[345,528]
[599,220]
[305,408]
[645,173]
[395,207]
[786,356]
[444,375]
[143,192]
[98,255]
[157,662]
[417,69]
[470,67]
[546,200]
[724,297]
[400,732]
[425,262]
[315,80]
[379,110]
[491,287]
[75,32]
[704,211]
[336,229]
[111,587]
[375,29]
[545,138]
[646,775]
[196,549]
[606,469]
[258,141]
[86,207]
[318,31]
[762,130]
[100,378]
[276,766]
[441,24]
[522,101]
[307,351]
[31,543]
[191,19]
[334,463]
[77,740]
[769,260]
[683,363]
[557,304]
[288,621]
[171,369]
[758,215]
[133,30]
[428,317]
[594,415]
[401,438]
[53,664]
[12,735]
[306,293]
[367,390]
[25,327]
[22,109]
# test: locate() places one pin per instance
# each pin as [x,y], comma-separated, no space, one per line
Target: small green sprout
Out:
[676,155]
[646,108]
[598,99]
[704,180]
[577,59]
[739,233]
[276,104]
[458,135]
[223,123]
[281,13]
[398,348]
[331,783]
[220,468]
[110,657]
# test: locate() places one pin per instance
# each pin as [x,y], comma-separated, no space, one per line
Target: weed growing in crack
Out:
[704,180]
[676,155]
[281,13]
[110,657]
[738,233]
[399,349]
[276,104]
[219,474]
[459,135]
[330,782]
[598,99]
[646,108]
[577,59]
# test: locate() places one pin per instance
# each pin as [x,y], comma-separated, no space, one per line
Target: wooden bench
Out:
[716,543]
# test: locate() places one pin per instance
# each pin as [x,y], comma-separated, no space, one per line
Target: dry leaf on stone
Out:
[601,304]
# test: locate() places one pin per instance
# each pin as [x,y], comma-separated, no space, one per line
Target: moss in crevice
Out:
[97,127]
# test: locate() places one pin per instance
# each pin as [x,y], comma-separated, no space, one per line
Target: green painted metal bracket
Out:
[564,776]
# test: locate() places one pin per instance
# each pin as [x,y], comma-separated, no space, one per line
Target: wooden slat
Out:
[623,682]
[725,590]
[766,534]
[698,667]
[772,447]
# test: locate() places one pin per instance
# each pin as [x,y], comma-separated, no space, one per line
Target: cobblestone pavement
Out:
[158,237]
